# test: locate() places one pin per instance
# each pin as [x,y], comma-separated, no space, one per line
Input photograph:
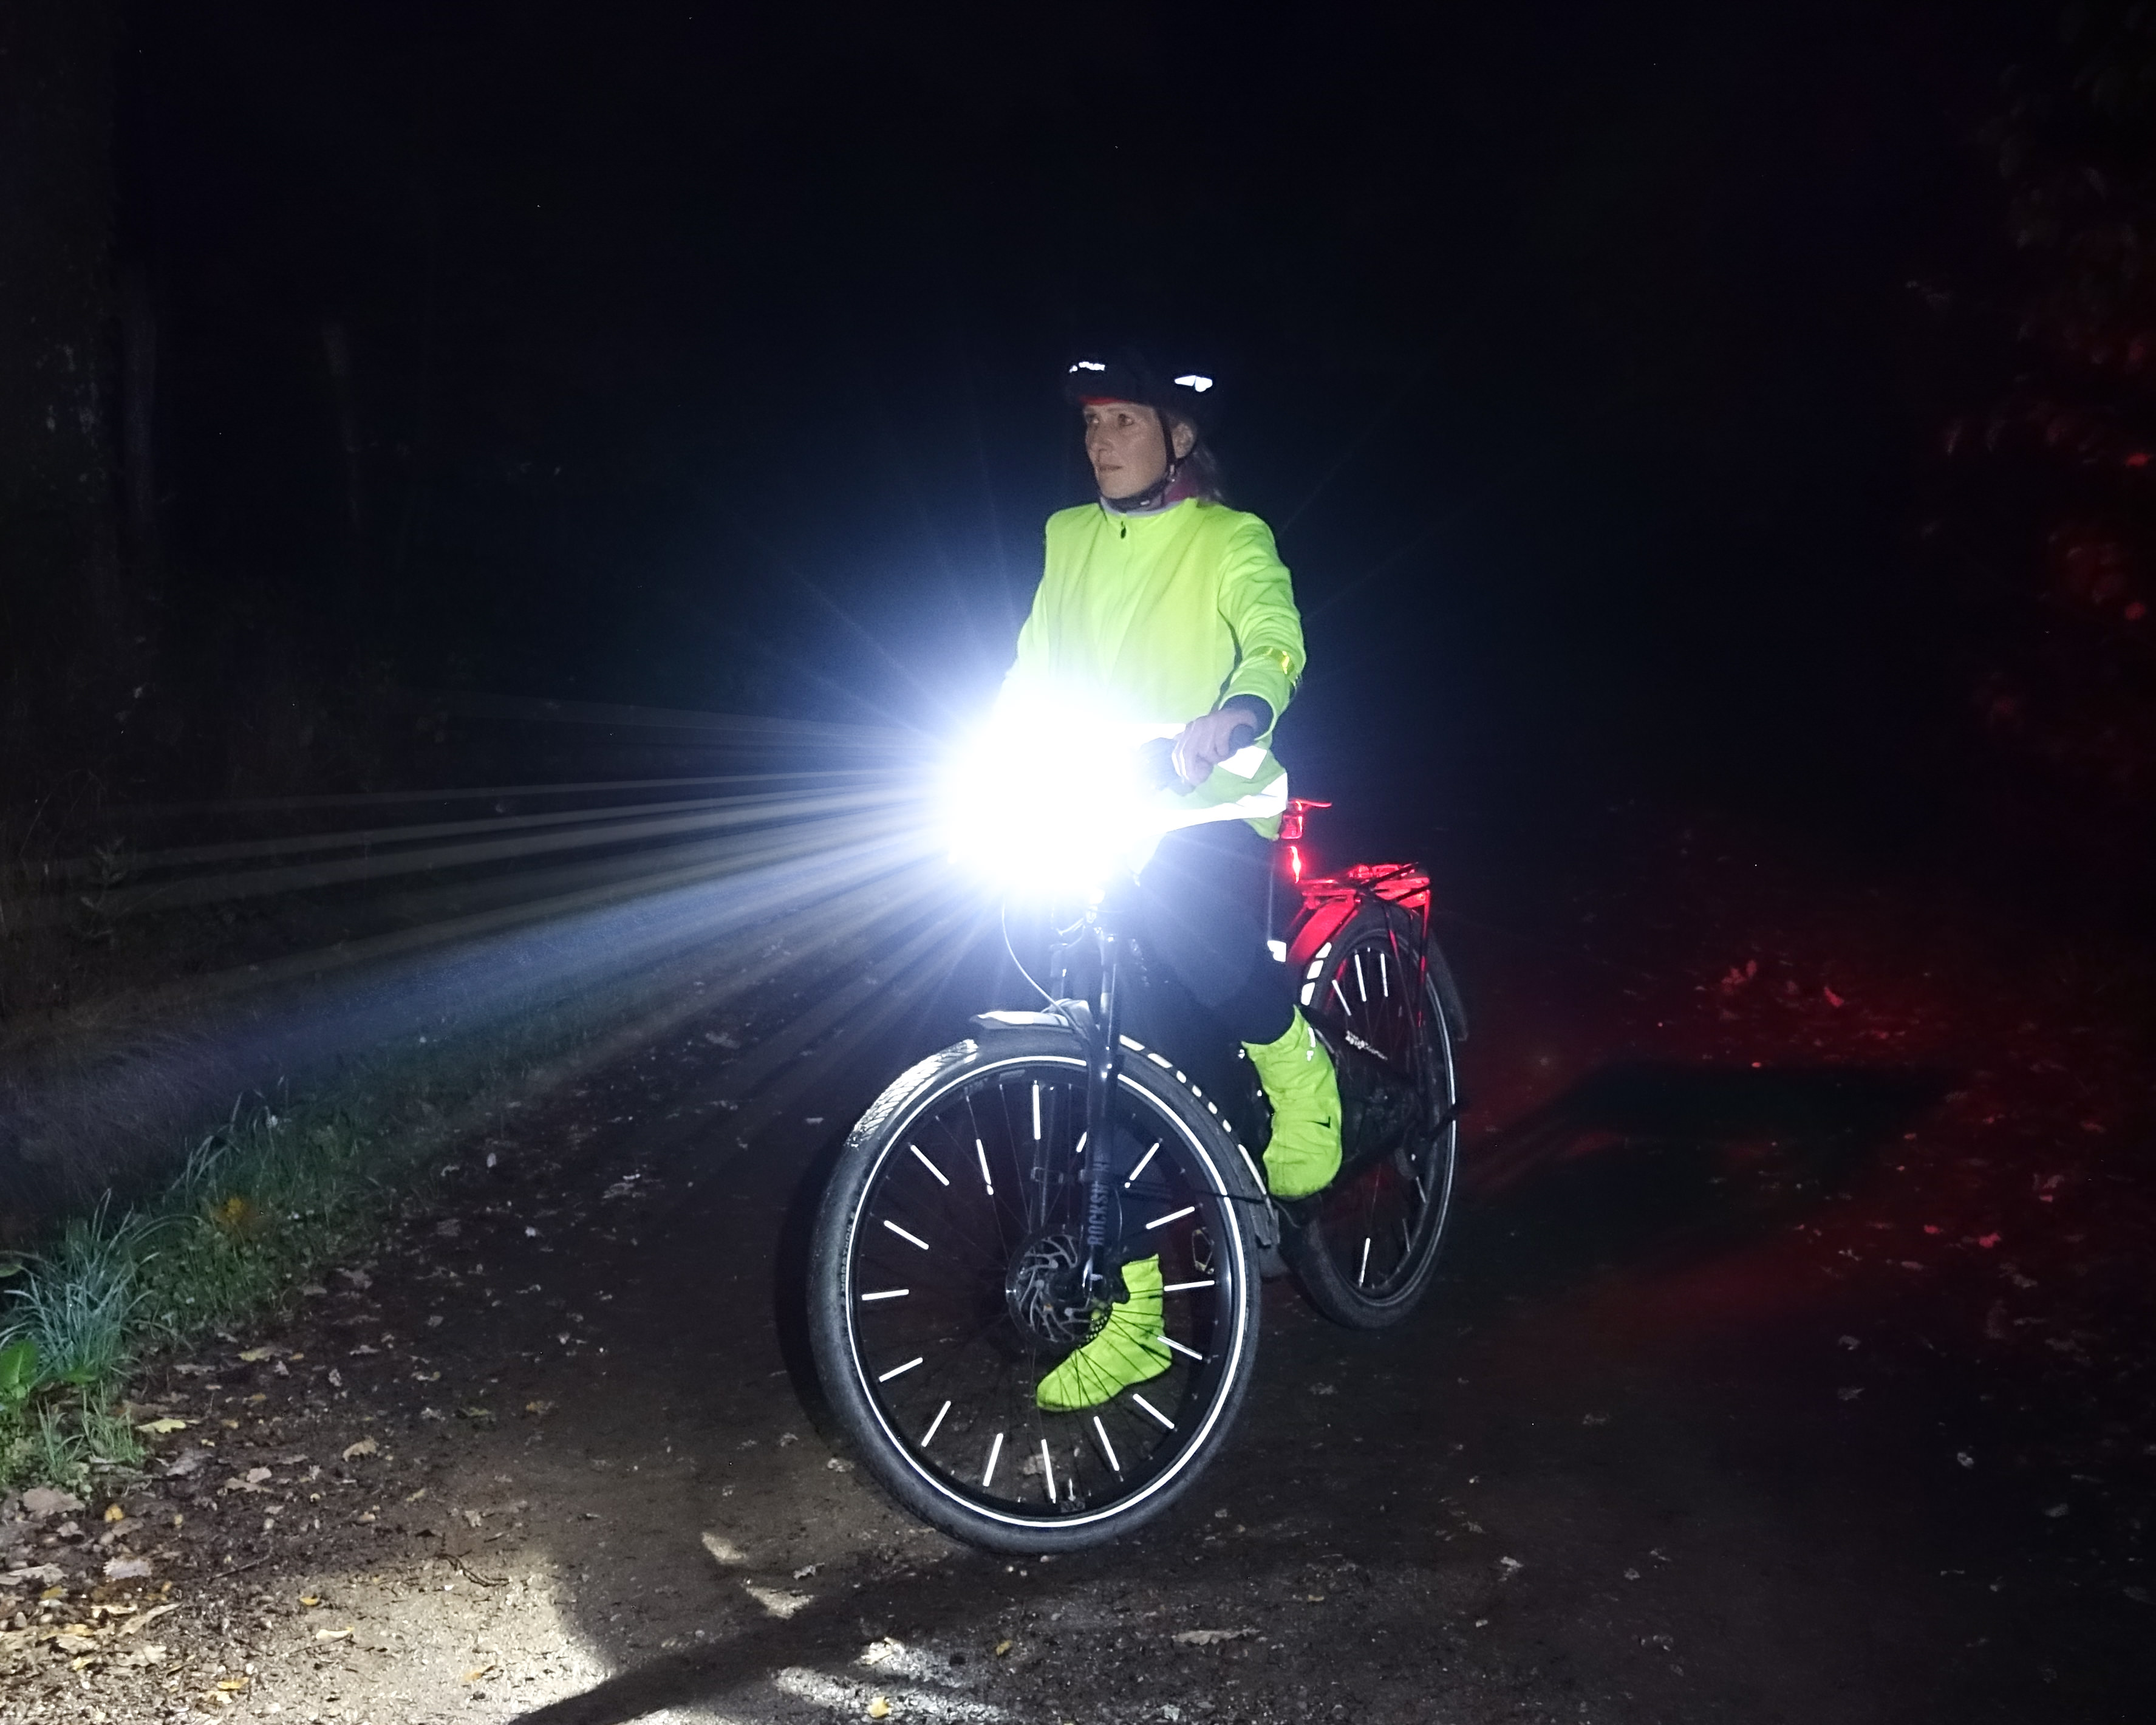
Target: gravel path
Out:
[1791,1362]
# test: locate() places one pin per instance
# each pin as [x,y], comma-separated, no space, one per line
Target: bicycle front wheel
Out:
[958,1193]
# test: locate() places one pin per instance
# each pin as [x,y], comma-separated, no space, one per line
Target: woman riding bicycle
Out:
[1160,604]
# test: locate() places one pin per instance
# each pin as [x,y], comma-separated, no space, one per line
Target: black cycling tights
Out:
[1200,913]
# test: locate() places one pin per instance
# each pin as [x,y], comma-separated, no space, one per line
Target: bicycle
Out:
[981,1212]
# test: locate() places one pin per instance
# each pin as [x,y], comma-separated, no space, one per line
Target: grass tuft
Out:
[76,1306]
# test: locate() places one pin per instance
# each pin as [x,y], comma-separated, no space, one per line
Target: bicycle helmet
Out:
[1126,374]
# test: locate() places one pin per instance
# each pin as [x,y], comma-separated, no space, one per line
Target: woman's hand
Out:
[1205,743]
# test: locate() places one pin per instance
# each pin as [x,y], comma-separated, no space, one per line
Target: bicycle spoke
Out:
[941,1344]
[1380,1225]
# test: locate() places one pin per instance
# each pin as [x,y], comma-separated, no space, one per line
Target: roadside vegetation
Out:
[278,1191]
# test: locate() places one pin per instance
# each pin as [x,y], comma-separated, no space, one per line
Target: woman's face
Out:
[1123,442]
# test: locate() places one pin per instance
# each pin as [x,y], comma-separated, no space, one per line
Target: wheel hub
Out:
[1044,1275]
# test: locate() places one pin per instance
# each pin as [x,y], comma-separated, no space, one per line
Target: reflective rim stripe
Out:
[1197,1441]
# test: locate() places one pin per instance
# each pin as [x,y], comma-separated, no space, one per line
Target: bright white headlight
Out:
[1061,813]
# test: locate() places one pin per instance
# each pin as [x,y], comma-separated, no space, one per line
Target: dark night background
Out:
[704,357]
[492,500]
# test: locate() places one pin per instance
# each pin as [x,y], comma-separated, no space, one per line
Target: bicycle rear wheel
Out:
[959,1192]
[1369,1246]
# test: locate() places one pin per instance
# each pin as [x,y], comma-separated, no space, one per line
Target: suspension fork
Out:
[1100,1279]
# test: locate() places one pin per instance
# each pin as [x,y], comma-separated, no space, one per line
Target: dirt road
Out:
[1790,1363]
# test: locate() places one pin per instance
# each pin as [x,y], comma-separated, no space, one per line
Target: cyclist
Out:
[1160,604]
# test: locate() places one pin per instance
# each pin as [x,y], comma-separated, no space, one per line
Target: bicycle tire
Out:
[930,1370]
[1407,1190]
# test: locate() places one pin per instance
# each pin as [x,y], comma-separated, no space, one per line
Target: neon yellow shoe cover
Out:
[1297,1073]
[1126,1350]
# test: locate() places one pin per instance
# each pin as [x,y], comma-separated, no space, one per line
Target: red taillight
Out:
[1295,863]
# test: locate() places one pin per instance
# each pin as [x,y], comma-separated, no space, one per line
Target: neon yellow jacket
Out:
[1159,619]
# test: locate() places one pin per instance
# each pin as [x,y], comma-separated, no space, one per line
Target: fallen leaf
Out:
[163,1428]
[127,1569]
[332,1634]
[1001,1648]
[724,1549]
[365,1446]
[255,1356]
[114,1512]
[879,1708]
[1204,1637]
[776,1600]
[415,1497]
[151,1615]
[310,1600]
[41,1500]
[1832,999]
[474,1676]
[234,1685]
